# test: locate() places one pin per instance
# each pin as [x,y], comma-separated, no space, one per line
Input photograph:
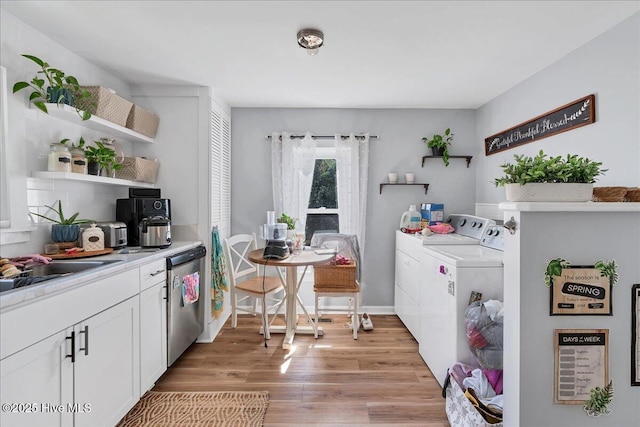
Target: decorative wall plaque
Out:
[581,363]
[580,112]
[581,290]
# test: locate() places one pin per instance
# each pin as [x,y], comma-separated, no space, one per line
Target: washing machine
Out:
[450,273]
[409,279]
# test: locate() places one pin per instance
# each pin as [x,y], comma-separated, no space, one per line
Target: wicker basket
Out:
[143,121]
[139,169]
[335,276]
[609,194]
[632,195]
[105,104]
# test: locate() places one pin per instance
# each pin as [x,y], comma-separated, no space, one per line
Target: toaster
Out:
[115,234]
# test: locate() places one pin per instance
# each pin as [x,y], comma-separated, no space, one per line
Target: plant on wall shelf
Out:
[286,219]
[599,398]
[51,85]
[439,145]
[104,157]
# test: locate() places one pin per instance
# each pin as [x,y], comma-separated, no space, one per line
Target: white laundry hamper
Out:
[460,411]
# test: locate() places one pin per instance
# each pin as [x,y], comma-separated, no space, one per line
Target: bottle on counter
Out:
[59,159]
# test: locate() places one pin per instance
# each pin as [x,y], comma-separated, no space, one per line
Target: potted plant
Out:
[599,399]
[549,179]
[102,160]
[51,85]
[439,145]
[64,229]
[291,224]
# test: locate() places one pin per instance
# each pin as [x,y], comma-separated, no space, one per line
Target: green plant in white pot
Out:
[64,229]
[549,179]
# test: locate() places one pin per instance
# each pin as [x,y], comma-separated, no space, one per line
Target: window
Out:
[322,212]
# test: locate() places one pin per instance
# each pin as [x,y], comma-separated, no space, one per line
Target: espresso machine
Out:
[147,216]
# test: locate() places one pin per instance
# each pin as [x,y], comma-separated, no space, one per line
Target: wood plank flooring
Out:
[333,381]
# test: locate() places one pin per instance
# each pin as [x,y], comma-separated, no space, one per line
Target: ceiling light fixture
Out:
[311,40]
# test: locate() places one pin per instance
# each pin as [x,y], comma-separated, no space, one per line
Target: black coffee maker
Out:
[142,205]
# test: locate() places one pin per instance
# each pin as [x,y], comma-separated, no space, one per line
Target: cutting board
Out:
[83,254]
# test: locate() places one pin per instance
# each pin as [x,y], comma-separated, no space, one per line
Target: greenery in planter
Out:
[286,219]
[51,85]
[62,220]
[440,143]
[572,169]
[105,157]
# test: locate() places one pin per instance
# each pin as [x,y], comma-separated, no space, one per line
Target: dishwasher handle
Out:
[186,256]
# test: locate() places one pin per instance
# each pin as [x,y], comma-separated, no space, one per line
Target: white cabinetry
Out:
[36,380]
[85,375]
[153,323]
[73,349]
[407,280]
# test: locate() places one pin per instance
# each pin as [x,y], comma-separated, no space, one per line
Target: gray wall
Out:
[399,148]
[609,67]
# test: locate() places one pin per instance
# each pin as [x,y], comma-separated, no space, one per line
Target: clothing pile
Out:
[484,326]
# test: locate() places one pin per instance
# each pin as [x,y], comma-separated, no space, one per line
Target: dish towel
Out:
[190,288]
[219,281]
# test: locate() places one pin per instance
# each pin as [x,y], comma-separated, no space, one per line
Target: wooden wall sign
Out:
[581,290]
[581,363]
[580,112]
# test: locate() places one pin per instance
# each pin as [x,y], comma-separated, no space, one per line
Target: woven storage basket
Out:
[143,121]
[335,276]
[105,104]
[632,195]
[138,169]
[609,194]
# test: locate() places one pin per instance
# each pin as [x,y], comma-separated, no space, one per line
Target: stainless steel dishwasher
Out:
[186,283]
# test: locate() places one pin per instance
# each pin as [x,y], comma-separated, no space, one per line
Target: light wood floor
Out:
[335,380]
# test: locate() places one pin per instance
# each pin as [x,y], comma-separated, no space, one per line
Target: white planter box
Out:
[549,192]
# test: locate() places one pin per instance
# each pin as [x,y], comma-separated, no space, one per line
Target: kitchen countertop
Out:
[16,298]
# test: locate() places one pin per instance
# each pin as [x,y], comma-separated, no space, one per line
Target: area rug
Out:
[198,409]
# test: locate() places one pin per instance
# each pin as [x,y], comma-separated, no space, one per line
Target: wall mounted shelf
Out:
[426,186]
[467,158]
[70,176]
[69,114]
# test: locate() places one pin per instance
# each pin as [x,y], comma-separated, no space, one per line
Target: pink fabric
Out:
[441,228]
[494,376]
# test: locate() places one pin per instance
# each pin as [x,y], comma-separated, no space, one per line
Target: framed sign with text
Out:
[581,290]
[578,113]
[581,363]
[635,335]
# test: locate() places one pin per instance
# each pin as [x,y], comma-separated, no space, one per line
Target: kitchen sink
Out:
[53,270]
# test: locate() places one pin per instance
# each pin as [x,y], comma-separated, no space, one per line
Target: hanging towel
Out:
[219,281]
[190,288]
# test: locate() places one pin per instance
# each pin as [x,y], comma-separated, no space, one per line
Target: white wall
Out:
[609,67]
[31,132]
[398,149]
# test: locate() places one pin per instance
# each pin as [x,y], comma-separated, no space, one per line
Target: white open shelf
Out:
[70,176]
[69,114]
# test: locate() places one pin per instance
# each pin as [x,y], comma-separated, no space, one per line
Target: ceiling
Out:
[377,54]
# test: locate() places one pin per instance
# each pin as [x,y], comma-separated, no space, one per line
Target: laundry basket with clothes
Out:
[344,244]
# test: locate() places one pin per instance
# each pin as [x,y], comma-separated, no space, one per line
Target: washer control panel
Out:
[493,237]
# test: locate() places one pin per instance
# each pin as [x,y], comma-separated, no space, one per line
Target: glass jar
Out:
[59,158]
[78,161]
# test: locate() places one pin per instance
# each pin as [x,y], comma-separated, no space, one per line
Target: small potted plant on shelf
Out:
[51,85]
[439,145]
[552,179]
[64,229]
[102,160]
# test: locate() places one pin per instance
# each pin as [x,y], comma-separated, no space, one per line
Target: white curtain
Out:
[293,161]
[352,166]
